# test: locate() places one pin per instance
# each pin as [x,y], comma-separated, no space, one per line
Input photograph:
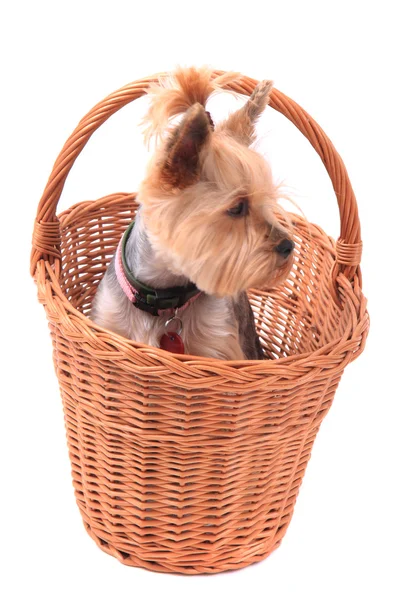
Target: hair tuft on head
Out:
[175,93]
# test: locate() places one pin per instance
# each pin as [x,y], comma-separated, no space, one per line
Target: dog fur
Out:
[186,228]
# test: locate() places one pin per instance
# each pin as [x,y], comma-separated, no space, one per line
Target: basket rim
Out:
[350,294]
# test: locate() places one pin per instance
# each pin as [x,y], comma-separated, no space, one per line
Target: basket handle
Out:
[47,238]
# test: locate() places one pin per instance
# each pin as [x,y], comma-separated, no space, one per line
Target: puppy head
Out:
[209,203]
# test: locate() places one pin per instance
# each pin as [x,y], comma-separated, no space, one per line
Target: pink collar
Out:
[157,302]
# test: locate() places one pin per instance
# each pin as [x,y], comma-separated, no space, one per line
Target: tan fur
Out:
[241,123]
[222,255]
[195,177]
[174,94]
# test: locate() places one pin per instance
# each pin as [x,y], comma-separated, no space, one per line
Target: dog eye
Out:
[241,209]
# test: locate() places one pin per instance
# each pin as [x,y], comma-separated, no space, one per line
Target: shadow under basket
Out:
[180,463]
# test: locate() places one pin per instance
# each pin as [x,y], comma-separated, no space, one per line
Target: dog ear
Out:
[241,124]
[180,164]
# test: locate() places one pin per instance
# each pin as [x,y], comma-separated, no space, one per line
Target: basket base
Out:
[206,564]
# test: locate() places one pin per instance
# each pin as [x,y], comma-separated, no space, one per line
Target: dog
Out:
[208,228]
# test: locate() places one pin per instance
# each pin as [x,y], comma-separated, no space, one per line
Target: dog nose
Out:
[284,248]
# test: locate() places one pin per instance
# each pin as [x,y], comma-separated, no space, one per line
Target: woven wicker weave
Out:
[186,464]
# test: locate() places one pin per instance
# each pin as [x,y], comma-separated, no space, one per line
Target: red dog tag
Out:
[172,342]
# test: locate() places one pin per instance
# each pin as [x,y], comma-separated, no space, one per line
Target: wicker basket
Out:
[180,463]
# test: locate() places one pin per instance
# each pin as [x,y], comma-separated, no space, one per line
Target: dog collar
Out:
[157,302]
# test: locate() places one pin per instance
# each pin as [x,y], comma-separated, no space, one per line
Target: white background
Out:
[339,60]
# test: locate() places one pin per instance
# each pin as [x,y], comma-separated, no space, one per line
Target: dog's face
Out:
[209,204]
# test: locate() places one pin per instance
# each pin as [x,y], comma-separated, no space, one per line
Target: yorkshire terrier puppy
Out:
[206,230]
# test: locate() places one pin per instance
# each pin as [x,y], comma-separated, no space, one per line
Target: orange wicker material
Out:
[180,463]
